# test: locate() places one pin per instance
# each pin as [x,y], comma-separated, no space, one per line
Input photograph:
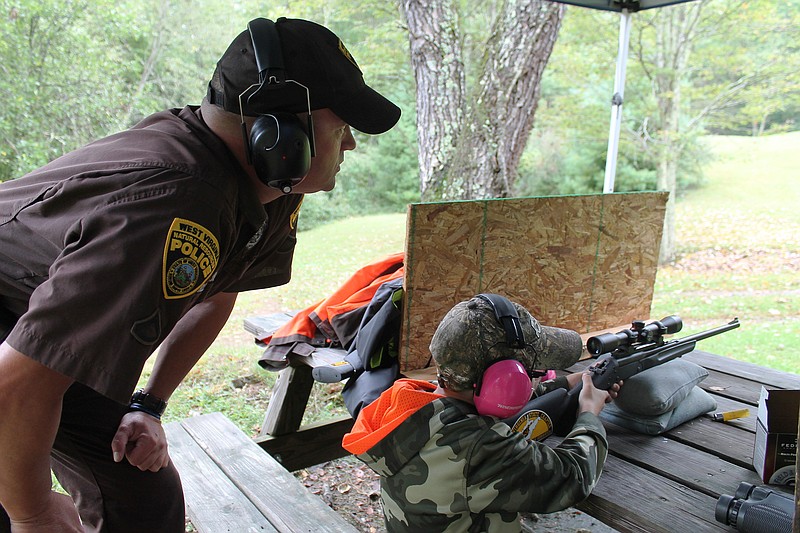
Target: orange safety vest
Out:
[315,325]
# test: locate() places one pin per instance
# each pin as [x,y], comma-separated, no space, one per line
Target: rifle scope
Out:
[640,333]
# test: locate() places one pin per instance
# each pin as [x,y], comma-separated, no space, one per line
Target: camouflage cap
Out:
[470,337]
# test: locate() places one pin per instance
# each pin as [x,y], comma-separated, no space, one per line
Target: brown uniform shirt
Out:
[104,249]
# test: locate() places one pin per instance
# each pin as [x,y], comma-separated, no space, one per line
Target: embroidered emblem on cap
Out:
[346,53]
[191,254]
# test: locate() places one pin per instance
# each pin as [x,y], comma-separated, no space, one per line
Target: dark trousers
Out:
[111,497]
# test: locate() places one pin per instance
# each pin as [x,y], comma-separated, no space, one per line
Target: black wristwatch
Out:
[147,403]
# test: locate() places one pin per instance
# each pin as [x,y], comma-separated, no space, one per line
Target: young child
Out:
[446,468]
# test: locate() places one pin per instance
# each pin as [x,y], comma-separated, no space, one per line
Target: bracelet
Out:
[147,403]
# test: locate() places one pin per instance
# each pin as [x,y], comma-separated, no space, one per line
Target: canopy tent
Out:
[625,8]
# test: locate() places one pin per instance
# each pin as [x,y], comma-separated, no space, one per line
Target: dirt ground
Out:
[353,490]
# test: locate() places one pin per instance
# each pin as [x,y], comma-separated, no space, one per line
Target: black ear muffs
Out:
[280,150]
[279,145]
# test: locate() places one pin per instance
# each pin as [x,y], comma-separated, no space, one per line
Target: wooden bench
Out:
[231,484]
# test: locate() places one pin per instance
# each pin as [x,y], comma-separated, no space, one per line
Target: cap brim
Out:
[561,348]
[368,112]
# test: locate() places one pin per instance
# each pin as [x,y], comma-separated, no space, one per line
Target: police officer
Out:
[142,240]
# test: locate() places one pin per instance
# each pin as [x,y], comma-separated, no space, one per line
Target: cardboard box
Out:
[775,454]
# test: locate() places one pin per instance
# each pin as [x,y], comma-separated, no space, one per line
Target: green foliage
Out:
[554,165]
[53,71]
[563,162]
[743,70]
[76,70]
[381,167]
[757,54]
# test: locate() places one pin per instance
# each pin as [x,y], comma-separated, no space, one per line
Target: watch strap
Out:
[147,403]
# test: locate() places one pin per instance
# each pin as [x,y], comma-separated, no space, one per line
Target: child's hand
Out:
[591,398]
[613,392]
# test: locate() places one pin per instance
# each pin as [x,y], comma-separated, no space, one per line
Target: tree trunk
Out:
[470,147]
[667,179]
[436,58]
[675,29]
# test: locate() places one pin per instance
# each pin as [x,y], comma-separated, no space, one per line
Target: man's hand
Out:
[58,515]
[141,439]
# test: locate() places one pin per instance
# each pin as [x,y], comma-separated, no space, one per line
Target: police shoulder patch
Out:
[191,254]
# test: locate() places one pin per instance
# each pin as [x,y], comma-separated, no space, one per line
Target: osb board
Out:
[580,262]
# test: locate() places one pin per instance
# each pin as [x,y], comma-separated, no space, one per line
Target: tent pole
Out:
[616,101]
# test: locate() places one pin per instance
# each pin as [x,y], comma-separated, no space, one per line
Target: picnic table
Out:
[665,483]
[671,482]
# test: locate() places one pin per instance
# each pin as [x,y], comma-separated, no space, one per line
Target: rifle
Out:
[620,356]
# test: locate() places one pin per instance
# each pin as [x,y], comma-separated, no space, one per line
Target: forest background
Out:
[76,70]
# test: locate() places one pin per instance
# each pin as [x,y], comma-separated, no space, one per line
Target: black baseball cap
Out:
[312,56]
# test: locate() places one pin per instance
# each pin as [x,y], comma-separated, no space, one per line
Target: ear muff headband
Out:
[279,146]
[268,52]
[506,314]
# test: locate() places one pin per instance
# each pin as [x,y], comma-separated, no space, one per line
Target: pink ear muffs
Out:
[504,390]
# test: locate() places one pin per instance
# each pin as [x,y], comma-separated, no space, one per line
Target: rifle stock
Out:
[556,411]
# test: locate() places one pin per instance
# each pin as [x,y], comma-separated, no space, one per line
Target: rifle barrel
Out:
[635,352]
[733,324]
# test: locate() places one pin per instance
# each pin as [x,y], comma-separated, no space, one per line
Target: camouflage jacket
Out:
[445,468]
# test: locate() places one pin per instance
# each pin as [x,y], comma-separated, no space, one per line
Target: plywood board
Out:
[580,262]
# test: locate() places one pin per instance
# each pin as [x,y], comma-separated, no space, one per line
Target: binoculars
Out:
[755,509]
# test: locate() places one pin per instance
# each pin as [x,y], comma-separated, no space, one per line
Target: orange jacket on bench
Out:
[334,321]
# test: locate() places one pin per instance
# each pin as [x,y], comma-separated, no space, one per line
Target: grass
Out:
[739,252]
[739,255]
[757,176]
